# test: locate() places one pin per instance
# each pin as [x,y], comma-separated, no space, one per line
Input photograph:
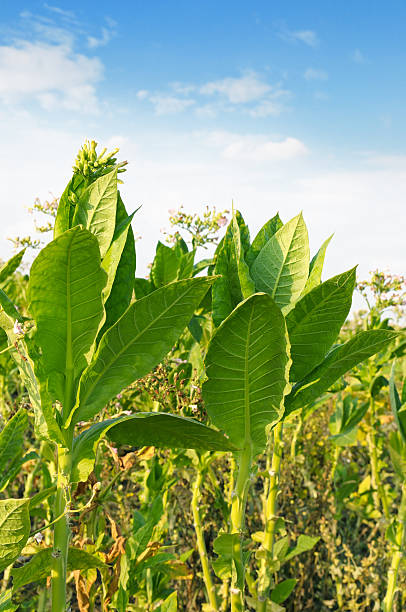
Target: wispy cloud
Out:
[169,105]
[248,93]
[358,57]
[315,74]
[238,90]
[107,33]
[254,147]
[307,37]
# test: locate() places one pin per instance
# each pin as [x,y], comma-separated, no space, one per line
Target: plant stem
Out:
[336,456]
[270,511]
[380,493]
[237,527]
[397,553]
[201,545]
[61,531]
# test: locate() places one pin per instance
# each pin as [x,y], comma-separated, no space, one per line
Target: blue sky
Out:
[277,105]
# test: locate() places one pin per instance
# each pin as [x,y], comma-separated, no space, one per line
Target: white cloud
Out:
[315,74]
[170,105]
[238,90]
[308,37]
[106,36]
[142,94]
[358,57]
[254,147]
[53,75]
[182,89]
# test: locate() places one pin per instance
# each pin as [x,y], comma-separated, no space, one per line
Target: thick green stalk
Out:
[380,497]
[61,505]
[61,531]
[398,551]
[270,511]
[238,504]
[201,545]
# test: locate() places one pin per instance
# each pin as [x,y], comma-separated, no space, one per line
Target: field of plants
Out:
[221,435]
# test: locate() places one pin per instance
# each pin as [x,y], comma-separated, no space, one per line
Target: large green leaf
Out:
[165,266]
[65,293]
[8,307]
[281,268]
[121,291]
[39,566]
[96,209]
[11,266]
[247,366]
[315,322]
[316,267]
[265,233]
[67,204]
[144,429]
[232,270]
[398,407]
[114,253]
[339,361]
[137,342]
[12,438]
[14,529]
[45,423]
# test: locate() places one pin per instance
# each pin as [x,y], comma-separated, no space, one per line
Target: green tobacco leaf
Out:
[144,429]
[247,369]
[45,424]
[398,409]
[170,604]
[316,267]
[14,529]
[121,292]
[142,287]
[282,266]
[265,233]
[283,590]
[315,322]
[12,438]
[66,208]
[11,266]
[96,209]
[231,268]
[137,342]
[167,431]
[165,266]
[397,451]
[65,292]
[6,602]
[39,566]
[304,543]
[113,255]
[343,423]
[339,361]
[201,265]
[9,307]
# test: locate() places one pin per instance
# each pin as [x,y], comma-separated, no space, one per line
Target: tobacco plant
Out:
[83,340]
[272,354]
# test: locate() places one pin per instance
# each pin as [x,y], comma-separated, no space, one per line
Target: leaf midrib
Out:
[284,259]
[247,424]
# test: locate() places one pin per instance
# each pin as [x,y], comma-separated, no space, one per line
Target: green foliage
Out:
[14,529]
[281,268]
[316,320]
[137,342]
[247,369]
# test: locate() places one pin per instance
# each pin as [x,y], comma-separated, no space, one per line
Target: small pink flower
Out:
[18,329]
[222,221]
[172,211]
